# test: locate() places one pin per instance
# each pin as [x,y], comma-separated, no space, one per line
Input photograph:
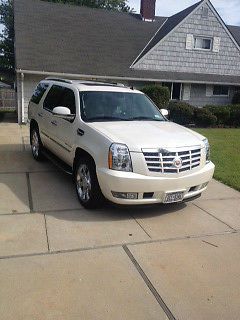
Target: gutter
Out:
[87,76]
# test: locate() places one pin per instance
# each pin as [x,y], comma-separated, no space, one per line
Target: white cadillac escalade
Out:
[116,143]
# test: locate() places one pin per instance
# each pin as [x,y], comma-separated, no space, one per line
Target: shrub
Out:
[159,95]
[180,112]
[234,119]
[204,118]
[236,98]
[222,114]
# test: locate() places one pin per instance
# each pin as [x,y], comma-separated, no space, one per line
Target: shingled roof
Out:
[167,27]
[61,38]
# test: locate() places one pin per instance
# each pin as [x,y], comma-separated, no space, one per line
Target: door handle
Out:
[80,132]
[40,114]
[54,123]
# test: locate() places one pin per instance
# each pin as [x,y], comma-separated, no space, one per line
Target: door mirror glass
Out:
[63,112]
[164,112]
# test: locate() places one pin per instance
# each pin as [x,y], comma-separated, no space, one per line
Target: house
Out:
[193,52]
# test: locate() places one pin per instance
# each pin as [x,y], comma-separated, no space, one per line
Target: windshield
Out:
[117,106]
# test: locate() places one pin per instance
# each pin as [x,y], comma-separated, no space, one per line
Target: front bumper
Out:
[191,184]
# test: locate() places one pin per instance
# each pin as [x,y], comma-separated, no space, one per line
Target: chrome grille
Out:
[162,161]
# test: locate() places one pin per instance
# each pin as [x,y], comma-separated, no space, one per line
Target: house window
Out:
[220,90]
[204,12]
[202,43]
[175,89]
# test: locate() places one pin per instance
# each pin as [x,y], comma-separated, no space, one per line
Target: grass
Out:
[225,154]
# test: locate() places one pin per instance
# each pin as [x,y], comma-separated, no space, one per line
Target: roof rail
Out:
[59,80]
[103,83]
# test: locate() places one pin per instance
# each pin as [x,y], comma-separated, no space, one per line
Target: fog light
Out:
[204,185]
[125,195]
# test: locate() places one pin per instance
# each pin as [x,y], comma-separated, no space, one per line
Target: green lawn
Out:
[225,154]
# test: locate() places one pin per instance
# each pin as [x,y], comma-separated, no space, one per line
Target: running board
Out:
[57,162]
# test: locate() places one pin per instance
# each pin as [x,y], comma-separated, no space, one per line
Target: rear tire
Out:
[86,184]
[36,144]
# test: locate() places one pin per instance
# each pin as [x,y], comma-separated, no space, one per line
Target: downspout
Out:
[22,96]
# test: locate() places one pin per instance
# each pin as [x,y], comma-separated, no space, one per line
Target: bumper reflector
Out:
[125,195]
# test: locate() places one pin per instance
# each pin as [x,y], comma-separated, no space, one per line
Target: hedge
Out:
[158,94]
[180,112]
[222,113]
[204,118]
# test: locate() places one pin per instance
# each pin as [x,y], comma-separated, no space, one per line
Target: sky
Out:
[229,10]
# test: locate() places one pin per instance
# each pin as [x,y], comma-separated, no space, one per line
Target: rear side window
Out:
[60,96]
[39,92]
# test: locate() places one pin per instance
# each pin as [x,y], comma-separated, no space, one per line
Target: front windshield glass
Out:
[117,106]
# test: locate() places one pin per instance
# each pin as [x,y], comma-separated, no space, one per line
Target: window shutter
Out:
[209,90]
[186,91]
[216,44]
[190,42]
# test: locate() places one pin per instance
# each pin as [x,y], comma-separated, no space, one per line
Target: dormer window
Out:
[202,43]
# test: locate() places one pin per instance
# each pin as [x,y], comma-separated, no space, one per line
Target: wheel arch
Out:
[79,152]
[33,124]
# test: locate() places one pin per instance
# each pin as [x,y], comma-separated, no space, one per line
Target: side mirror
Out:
[63,112]
[164,112]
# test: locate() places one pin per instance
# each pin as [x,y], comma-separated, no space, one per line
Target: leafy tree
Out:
[7,60]
[119,5]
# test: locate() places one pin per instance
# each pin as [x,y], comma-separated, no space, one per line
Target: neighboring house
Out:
[193,52]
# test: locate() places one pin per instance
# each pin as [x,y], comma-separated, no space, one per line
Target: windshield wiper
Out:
[106,118]
[146,118]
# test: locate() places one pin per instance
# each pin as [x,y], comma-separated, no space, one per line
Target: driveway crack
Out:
[149,284]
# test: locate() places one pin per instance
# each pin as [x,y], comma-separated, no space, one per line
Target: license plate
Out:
[173,197]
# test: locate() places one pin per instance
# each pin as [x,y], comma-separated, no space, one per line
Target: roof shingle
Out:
[63,38]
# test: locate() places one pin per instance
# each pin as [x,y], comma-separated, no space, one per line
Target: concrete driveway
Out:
[59,261]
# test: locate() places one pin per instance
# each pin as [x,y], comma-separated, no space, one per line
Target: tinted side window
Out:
[39,92]
[53,98]
[69,100]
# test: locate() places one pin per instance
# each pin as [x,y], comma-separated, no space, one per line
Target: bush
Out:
[159,95]
[236,98]
[204,118]
[222,113]
[234,119]
[180,112]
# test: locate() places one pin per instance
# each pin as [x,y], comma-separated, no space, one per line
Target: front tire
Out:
[36,144]
[86,183]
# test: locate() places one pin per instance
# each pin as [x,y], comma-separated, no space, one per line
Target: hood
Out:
[138,135]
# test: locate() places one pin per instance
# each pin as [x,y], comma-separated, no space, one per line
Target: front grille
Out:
[163,161]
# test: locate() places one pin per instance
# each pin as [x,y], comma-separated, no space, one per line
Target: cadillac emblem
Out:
[177,162]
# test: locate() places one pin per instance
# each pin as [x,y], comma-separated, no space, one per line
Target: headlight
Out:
[207,150]
[119,157]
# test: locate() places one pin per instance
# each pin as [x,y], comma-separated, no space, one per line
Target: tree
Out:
[7,60]
[119,5]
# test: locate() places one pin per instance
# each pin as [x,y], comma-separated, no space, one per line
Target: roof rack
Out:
[59,80]
[87,82]
[100,83]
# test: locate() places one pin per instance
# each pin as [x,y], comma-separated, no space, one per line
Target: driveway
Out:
[59,261]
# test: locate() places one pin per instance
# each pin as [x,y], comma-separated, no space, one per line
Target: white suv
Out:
[116,143]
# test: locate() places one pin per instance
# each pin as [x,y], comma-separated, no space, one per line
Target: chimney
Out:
[147,10]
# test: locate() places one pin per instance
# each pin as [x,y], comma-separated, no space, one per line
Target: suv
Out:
[117,144]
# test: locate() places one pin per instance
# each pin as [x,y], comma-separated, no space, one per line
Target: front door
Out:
[66,130]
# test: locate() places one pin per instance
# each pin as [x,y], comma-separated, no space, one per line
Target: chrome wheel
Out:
[83,181]
[35,144]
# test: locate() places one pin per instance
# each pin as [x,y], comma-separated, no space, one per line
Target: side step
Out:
[57,162]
